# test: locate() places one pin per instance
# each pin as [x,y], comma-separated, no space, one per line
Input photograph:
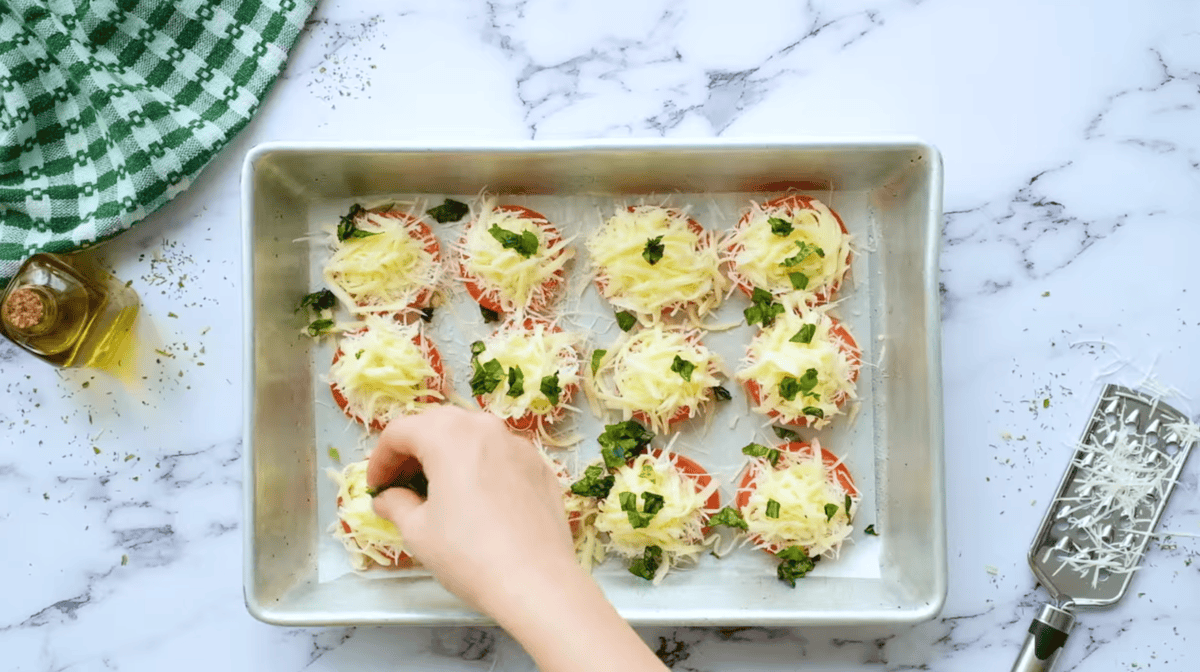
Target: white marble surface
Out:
[1071,138]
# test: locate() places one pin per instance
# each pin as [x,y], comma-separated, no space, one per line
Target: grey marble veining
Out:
[1071,138]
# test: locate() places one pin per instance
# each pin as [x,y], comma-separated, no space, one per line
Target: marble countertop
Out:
[1071,139]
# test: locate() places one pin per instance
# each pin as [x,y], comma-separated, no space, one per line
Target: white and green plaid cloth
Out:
[109,108]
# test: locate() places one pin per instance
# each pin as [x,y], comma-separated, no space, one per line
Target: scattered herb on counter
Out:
[516,382]
[319,327]
[626,320]
[1045,294]
[525,243]
[647,565]
[805,335]
[729,517]
[164,353]
[124,560]
[597,355]
[96,449]
[489,315]
[759,450]
[780,227]
[449,211]
[870,529]
[129,456]
[795,564]
[653,252]
[683,367]
[720,393]
[763,308]
[347,229]
[549,387]
[318,301]
[1046,402]
[594,483]
[86,384]
[172,315]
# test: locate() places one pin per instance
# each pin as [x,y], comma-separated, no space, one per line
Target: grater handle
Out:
[1047,634]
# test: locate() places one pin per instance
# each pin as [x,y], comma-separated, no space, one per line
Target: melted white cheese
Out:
[636,375]
[517,281]
[772,356]
[757,254]
[539,352]
[387,272]
[687,274]
[382,372]
[802,485]
[371,538]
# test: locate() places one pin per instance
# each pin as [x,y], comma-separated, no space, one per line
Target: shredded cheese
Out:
[538,351]
[757,254]
[637,375]
[773,356]
[370,538]
[517,282]
[687,276]
[387,272]
[678,528]
[803,485]
[384,370]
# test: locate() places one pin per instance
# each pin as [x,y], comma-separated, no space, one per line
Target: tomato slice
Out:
[436,382]
[792,202]
[422,234]
[539,301]
[846,344]
[531,421]
[694,226]
[399,559]
[747,485]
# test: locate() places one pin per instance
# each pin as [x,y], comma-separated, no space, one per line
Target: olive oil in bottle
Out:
[69,317]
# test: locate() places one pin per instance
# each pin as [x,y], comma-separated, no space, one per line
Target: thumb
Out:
[398,505]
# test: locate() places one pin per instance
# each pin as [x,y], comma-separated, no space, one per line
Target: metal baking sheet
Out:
[889,194]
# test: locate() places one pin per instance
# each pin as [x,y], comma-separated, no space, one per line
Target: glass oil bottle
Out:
[70,315]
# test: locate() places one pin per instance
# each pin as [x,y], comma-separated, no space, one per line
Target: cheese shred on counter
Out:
[760,257]
[539,352]
[803,486]
[514,280]
[387,272]
[678,528]
[383,372]
[638,374]
[367,537]
[776,354]
[685,274]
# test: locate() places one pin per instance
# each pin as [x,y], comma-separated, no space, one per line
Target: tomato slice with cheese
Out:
[395,268]
[816,249]
[370,539]
[657,261]
[503,279]
[776,367]
[540,351]
[384,370]
[809,487]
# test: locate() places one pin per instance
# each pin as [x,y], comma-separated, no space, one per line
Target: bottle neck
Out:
[30,310]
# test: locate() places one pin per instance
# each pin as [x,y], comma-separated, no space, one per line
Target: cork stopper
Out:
[24,309]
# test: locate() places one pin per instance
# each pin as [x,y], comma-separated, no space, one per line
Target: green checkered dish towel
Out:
[108,109]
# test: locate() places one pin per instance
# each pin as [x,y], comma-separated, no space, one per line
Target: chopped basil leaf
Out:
[449,211]
[359,354]
[626,320]
[550,388]
[721,394]
[487,377]
[653,251]
[794,564]
[427,314]
[772,508]
[347,229]
[319,327]
[373,492]
[785,433]
[597,355]
[628,501]
[830,510]
[647,565]
[847,509]
[622,442]
[799,280]
[789,387]
[489,315]
[593,483]
[683,367]
[334,454]
[477,348]
[525,244]
[763,309]
[322,300]
[806,250]
[652,503]
[780,227]
[729,517]
[813,411]
[516,382]
[759,450]
[870,529]
[805,335]
[807,382]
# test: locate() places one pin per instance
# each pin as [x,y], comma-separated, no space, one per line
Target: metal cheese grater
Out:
[1086,550]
